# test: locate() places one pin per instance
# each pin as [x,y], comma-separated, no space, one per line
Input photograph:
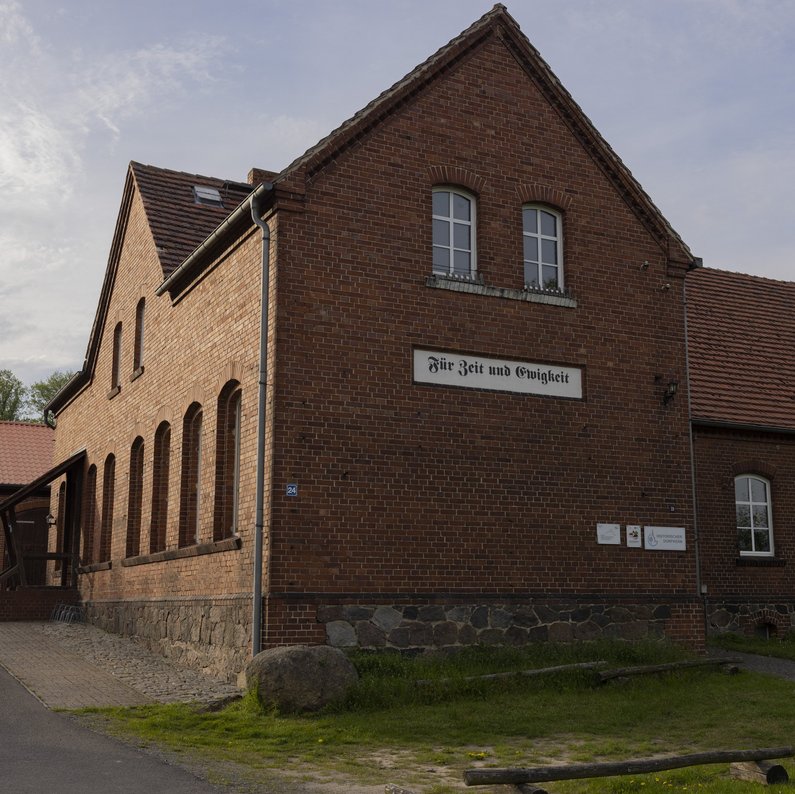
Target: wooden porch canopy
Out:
[68,543]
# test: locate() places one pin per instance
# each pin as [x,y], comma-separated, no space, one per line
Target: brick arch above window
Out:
[753,467]
[139,429]
[232,371]
[541,194]
[455,175]
[196,394]
[164,414]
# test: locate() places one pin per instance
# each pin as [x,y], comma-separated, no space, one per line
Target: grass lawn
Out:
[783,648]
[424,737]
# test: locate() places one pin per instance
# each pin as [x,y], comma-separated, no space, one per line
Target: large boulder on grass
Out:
[300,677]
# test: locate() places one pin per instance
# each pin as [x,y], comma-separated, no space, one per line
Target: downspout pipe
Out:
[256,625]
[693,470]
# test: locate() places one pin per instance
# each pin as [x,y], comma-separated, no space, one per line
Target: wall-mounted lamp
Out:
[670,391]
[51,520]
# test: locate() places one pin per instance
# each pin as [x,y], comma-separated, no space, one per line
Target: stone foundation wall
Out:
[749,617]
[208,634]
[414,627]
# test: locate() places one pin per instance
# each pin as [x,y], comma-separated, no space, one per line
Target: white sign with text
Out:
[608,534]
[499,374]
[664,538]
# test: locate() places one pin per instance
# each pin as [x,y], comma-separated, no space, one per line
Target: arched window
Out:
[138,347]
[754,519]
[227,461]
[160,466]
[454,248]
[190,490]
[89,516]
[135,498]
[542,239]
[106,528]
[115,368]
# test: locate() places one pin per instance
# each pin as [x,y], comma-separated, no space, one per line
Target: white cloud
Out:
[61,107]
[15,28]
[123,85]
[35,154]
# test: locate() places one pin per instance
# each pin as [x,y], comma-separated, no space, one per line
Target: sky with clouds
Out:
[696,96]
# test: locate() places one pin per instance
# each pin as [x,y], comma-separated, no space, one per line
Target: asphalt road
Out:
[41,751]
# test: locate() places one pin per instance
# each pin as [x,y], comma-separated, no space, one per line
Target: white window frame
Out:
[451,221]
[751,503]
[540,238]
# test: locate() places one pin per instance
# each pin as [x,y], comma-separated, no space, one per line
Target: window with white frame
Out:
[543,248]
[454,250]
[754,525]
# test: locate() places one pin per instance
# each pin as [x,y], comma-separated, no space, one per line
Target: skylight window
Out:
[207,195]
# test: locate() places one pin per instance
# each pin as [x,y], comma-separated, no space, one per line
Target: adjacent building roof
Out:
[26,452]
[741,337]
[178,222]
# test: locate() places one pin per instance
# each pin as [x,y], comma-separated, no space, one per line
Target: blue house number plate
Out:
[292,489]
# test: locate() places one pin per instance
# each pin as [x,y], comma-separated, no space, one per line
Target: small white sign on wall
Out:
[633,536]
[664,538]
[608,534]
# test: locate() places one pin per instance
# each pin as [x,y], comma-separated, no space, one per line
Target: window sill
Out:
[760,562]
[113,392]
[227,544]
[95,566]
[476,288]
[137,373]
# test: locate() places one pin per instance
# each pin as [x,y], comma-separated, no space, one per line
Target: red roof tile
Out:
[741,336]
[178,223]
[26,452]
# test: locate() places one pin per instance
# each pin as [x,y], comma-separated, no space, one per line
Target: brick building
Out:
[474,331]
[741,333]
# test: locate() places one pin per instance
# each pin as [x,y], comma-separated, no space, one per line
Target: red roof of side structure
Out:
[741,337]
[26,452]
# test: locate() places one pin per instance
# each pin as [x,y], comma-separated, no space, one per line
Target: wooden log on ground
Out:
[765,772]
[625,672]
[561,668]
[639,766]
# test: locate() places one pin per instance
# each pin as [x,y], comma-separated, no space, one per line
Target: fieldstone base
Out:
[409,628]
[212,635]
[749,618]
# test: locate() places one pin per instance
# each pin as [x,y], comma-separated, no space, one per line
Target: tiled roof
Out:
[25,452]
[741,338]
[177,222]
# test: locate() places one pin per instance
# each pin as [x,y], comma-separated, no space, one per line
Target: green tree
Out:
[41,392]
[12,395]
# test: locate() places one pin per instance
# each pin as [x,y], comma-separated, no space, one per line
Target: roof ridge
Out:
[739,274]
[483,22]
[134,164]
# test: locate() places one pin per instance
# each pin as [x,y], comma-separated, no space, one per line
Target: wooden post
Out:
[764,772]
[640,766]
[561,668]
[624,672]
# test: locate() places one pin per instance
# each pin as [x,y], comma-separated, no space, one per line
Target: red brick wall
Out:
[750,590]
[33,604]
[416,488]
